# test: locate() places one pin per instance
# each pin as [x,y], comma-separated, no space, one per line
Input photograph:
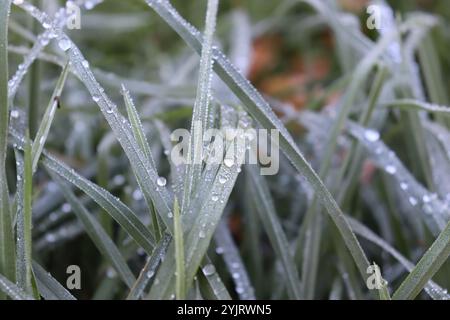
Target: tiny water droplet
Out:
[228,162]
[14,114]
[202,234]
[391,169]
[372,135]
[209,269]
[214,198]
[64,44]
[161,181]
[222,179]
[412,201]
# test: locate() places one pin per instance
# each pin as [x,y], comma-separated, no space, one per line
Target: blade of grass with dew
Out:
[47,119]
[432,289]
[118,211]
[48,287]
[7,245]
[200,112]
[409,104]
[234,263]
[265,208]
[13,291]
[425,269]
[179,253]
[149,269]
[141,139]
[24,219]
[97,234]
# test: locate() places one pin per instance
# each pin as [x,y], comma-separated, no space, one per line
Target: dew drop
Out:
[64,44]
[391,169]
[202,234]
[228,162]
[15,114]
[161,181]
[222,179]
[214,198]
[96,98]
[209,269]
[412,201]
[404,186]
[372,135]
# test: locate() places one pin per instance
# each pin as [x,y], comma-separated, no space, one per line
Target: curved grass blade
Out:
[431,288]
[12,291]
[97,234]
[47,119]
[409,104]
[49,288]
[234,263]
[139,135]
[425,269]
[149,269]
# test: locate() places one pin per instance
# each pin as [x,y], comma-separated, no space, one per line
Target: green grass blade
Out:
[97,234]
[48,287]
[139,135]
[12,291]
[419,105]
[7,245]
[44,128]
[149,270]
[433,290]
[425,269]
[179,253]
[24,220]
[200,113]
[264,205]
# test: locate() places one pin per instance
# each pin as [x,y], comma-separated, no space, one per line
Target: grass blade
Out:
[44,128]
[179,253]
[48,287]
[7,251]
[24,222]
[430,263]
[201,107]
[12,291]
[97,234]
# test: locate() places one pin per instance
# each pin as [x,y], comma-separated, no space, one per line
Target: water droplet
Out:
[202,234]
[228,162]
[150,274]
[50,237]
[426,198]
[96,98]
[66,208]
[137,195]
[85,64]
[372,135]
[14,114]
[404,186]
[161,181]
[412,201]
[391,169]
[170,215]
[214,198]
[220,250]
[64,44]
[222,179]
[209,269]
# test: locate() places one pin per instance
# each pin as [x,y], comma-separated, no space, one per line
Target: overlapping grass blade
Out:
[49,288]
[149,270]
[179,253]
[264,205]
[13,291]
[97,234]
